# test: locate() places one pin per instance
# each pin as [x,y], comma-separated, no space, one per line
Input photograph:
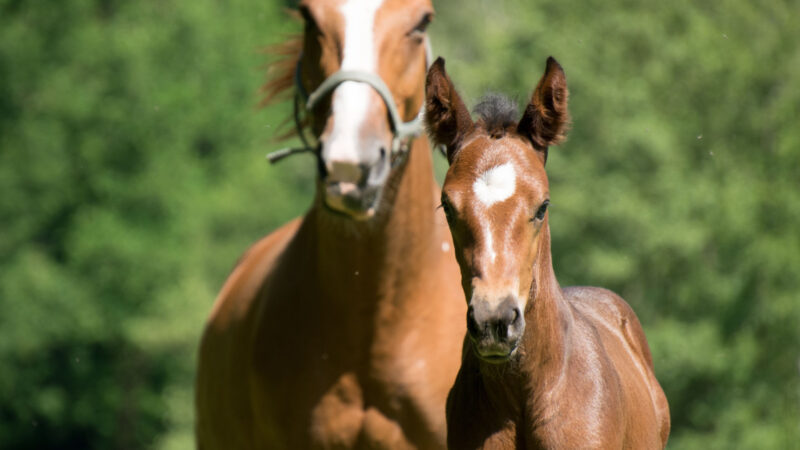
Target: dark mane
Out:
[497,113]
[280,69]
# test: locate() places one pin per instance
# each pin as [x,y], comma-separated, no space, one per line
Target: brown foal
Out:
[342,329]
[542,366]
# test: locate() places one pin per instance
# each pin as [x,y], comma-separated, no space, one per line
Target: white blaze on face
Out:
[494,185]
[351,99]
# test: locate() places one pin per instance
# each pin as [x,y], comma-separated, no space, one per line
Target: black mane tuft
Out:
[497,113]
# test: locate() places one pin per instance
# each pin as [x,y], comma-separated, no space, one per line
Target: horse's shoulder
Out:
[224,353]
[247,276]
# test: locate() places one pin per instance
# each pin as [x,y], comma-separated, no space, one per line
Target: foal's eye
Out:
[448,210]
[541,211]
[422,25]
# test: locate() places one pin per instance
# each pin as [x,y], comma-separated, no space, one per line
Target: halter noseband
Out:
[402,132]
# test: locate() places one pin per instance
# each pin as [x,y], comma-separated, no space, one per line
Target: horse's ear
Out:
[446,117]
[546,118]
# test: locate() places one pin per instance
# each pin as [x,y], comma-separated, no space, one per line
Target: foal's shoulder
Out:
[597,300]
[601,306]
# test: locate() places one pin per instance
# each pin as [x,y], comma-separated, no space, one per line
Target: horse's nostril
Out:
[383,152]
[346,172]
[321,167]
[365,171]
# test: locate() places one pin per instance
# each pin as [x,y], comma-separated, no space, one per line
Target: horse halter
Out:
[403,132]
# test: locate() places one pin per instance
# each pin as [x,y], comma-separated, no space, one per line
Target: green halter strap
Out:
[403,132]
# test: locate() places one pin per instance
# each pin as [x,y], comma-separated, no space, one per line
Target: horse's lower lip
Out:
[357,214]
[351,200]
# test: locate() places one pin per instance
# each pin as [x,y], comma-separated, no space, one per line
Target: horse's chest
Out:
[343,418]
[318,403]
[319,386]
[337,418]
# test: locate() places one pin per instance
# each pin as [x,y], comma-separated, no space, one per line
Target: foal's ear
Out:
[446,117]
[546,118]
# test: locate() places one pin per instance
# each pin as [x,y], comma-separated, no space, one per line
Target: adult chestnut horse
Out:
[342,329]
[542,367]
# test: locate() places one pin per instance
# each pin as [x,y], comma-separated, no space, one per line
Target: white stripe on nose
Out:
[494,185]
[486,229]
[351,99]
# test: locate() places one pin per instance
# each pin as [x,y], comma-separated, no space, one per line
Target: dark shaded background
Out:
[132,177]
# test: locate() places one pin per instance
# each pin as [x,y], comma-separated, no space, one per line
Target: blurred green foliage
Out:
[132,177]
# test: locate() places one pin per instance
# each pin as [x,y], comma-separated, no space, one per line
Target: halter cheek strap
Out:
[403,132]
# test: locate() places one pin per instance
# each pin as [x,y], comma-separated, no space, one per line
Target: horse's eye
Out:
[542,210]
[422,25]
[308,17]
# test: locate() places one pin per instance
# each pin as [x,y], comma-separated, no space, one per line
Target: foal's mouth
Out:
[495,355]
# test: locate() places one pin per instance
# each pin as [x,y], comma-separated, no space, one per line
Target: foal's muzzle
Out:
[495,328]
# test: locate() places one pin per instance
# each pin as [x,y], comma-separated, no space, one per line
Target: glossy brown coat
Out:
[581,375]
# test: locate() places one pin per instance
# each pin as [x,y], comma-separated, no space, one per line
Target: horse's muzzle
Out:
[358,202]
[353,188]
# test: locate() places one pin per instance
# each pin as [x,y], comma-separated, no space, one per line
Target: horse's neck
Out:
[361,263]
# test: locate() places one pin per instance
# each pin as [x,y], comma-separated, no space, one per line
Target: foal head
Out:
[381,37]
[495,197]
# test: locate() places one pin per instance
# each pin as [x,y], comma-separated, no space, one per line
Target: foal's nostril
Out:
[508,319]
[472,324]
[502,323]
[509,315]
[501,331]
[513,319]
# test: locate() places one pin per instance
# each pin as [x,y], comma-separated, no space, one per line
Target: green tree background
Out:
[132,177]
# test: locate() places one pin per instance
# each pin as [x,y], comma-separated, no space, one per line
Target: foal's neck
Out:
[543,348]
[362,263]
[546,316]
